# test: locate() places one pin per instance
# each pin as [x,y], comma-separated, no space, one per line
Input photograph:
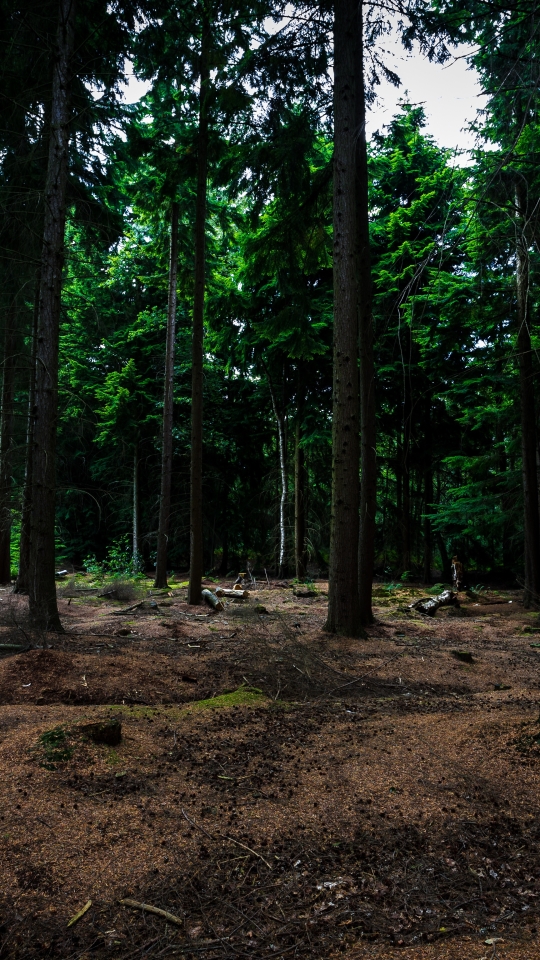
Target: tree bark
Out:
[6,441]
[300,553]
[211,599]
[430,605]
[224,566]
[282,451]
[368,420]
[196,493]
[406,476]
[343,599]
[136,510]
[428,492]
[168,404]
[22,583]
[445,559]
[531,596]
[42,588]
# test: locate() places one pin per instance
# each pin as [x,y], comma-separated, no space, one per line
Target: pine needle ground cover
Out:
[277,791]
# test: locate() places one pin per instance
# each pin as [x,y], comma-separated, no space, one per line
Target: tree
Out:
[366,336]
[75,63]
[43,607]
[168,403]
[343,598]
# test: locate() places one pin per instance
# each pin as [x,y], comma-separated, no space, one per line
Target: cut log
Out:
[430,605]
[232,594]
[211,599]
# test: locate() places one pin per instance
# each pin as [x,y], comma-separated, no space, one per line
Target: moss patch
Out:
[54,747]
[242,697]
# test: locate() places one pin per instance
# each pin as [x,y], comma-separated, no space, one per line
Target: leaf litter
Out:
[276,790]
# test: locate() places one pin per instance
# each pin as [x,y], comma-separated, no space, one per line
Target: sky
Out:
[449,93]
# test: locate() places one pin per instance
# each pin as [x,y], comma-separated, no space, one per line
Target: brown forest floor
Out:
[356,799]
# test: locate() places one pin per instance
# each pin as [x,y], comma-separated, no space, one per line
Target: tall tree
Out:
[168,405]
[196,474]
[343,597]
[100,62]
[510,73]
[43,606]
[368,422]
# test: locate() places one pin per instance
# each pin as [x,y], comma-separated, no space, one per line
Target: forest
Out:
[269,484]
[176,299]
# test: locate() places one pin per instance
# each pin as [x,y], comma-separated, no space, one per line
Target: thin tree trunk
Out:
[445,559]
[136,511]
[300,554]
[406,514]
[343,600]
[531,595]
[368,421]
[399,489]
[42,588]
[224,566]
[282,449]
[428,493]
[196,493]
[168,404]
[6,440]
[22,584]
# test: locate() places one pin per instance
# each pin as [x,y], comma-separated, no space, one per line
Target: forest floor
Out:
[280,791]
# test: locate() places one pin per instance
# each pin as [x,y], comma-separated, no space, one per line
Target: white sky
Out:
[449,93]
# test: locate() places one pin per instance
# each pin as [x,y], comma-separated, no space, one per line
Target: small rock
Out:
[260,609]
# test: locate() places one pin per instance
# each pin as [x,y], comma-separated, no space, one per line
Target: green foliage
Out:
[443,263]
[54,748]
[118,564]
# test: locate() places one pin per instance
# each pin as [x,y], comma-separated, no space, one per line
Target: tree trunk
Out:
[300,554]
[428,493]
[196,493]
[168,403]
[224,566]
[430,605]
[343,600]
[136,511]
[42,588]
[22,584]
[6,441]
[282,449]
[445,559]
[531,596]
[406,514]
[368,421]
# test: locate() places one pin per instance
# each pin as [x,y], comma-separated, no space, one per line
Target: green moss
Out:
[54,747]
[242,697]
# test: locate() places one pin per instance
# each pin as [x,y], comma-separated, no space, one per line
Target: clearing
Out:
[279,791]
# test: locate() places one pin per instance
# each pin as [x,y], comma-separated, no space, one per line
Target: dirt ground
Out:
[279,791]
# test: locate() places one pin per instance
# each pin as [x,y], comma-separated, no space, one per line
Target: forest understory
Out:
[279,791]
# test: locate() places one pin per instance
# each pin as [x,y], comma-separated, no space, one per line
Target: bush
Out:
[118,564]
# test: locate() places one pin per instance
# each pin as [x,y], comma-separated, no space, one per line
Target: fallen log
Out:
[430,605]
[232,594]
[211,599]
